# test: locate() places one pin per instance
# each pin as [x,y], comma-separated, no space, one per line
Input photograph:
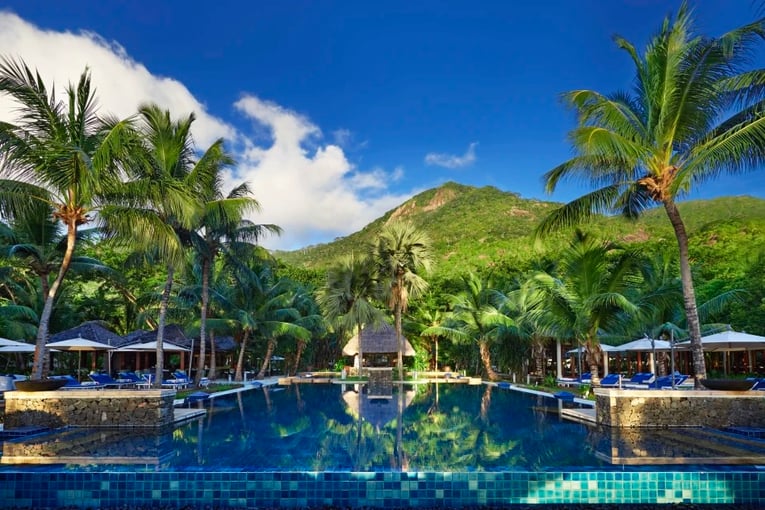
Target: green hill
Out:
[473,228]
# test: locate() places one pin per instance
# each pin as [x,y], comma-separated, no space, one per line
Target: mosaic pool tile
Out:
[299,490]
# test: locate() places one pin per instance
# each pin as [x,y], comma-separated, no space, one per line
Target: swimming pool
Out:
[428,445]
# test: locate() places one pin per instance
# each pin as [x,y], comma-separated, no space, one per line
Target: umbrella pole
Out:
[672,356]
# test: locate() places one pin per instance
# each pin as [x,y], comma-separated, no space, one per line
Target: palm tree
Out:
[695,113]
[428,321]
[221,224]
[526,303]
[476,314]
[402,253]
[346,298]
[158,206]
[58,153]
[591,295]
[310,318]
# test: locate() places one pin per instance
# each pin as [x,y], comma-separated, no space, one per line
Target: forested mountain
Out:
[476,228]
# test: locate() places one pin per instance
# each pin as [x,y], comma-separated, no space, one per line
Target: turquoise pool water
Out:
[428,445]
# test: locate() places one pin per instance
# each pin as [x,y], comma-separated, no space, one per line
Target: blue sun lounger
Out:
[108,382]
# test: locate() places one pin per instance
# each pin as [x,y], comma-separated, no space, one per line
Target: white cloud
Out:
[121,83]
[307,187]
[452,160]
[312,194]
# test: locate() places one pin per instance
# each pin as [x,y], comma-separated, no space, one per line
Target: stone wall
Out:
[679,408]
[89,408]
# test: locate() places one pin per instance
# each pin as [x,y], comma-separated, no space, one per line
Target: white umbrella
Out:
[79,345]
[603,347]
[4,342]
[152,346]
[730,341]
[17,348]
[644,345]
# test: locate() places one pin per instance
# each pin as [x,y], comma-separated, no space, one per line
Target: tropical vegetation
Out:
[456,269]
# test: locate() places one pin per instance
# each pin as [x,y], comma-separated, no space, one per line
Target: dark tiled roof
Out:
[223,344]
[173,334]
[91,330]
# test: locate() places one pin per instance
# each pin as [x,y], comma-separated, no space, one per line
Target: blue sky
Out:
[339,110]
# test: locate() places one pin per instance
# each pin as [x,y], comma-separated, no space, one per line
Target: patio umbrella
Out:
[731,341]
[79,345]
[603,347]
[727,341]
[152,346]
[20,347]
[4,342]
[646,344]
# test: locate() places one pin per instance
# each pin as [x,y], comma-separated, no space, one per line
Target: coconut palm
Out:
[476,315]
[310,318]
[402,253]
[346,299]
[591,294]
[526,304]
[694,114]
[427,320]
[159,205]
[222,223]
[60,153]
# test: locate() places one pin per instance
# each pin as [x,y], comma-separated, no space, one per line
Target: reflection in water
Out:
[326,427]
[675,446]
[88,446]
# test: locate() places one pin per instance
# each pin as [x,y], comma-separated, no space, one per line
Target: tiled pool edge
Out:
[221,489]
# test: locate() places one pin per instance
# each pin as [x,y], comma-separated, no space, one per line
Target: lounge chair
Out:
[585,378]
[178,381]
[108,382]
[73,384]
[665,382]
[639,381]
[180,375]
[611,381]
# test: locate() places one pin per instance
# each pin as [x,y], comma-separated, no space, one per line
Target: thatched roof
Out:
[95,331]
[377,340]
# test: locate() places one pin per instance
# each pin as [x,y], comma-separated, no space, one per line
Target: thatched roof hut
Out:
[377,340]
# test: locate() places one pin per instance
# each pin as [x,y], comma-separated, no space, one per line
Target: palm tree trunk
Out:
[159,369]
[689,295]
[212,374]
[298,354]
[203,320]
[240,362]
[483,347]
[269,352]
[435,361]
[538,348]
[400,343]
[40,363]
[594,353]
[361,352]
